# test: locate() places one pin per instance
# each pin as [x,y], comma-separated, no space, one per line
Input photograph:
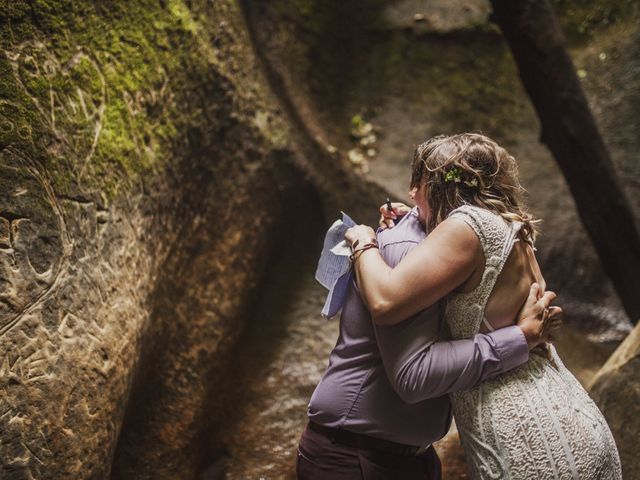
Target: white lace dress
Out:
[536,421]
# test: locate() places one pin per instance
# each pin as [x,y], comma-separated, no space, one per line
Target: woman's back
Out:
[512,286]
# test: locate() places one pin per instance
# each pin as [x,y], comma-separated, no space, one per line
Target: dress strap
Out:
[486,323]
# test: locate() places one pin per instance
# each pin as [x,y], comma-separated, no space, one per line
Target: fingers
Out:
[385,222]
[359,232]
[547,298]
[349,235]
[555,312]
[398,209]
[387,216]
[386,213]
[534,292]
[538,319]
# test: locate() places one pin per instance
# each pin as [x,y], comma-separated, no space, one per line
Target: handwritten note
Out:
[334,267]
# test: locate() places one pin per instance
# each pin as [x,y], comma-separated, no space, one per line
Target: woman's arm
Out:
[440,264]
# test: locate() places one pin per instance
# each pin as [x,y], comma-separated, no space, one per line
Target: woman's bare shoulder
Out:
[456,232]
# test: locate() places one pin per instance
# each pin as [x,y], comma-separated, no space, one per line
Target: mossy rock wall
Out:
[145,172]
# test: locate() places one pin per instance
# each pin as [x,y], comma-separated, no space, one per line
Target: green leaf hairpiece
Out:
[452,175]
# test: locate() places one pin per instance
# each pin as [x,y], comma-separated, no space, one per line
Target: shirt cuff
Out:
[511,346]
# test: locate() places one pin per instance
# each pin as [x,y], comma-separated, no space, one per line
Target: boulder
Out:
[616,390]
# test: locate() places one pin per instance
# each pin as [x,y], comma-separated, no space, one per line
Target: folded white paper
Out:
[334,267]
[342,249]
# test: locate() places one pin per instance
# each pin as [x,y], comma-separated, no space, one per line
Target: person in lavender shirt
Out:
[383,399]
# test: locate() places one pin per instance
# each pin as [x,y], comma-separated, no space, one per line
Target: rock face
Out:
[145,172]
[616,390]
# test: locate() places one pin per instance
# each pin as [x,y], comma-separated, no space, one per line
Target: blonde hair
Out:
[470,169]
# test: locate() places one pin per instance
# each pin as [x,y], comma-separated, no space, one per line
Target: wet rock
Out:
[616,390]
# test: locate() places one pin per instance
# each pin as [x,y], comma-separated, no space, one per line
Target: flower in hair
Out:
[471,183]
[452,175]
[455,174]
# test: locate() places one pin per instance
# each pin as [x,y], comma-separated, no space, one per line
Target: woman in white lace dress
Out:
[536,421]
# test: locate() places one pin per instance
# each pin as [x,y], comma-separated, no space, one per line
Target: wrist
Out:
[359,247]
[364,240]
[532,337]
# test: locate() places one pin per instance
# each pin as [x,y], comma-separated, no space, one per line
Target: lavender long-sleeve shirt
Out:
[392,382]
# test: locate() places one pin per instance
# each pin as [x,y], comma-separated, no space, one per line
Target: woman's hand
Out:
[360,233]
[387,218]
[538,320]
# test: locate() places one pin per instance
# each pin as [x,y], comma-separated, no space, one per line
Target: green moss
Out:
[139,73]
[183,15]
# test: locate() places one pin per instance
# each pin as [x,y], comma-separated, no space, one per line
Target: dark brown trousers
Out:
[319,458]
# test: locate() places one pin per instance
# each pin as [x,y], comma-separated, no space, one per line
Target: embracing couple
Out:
[454,322]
